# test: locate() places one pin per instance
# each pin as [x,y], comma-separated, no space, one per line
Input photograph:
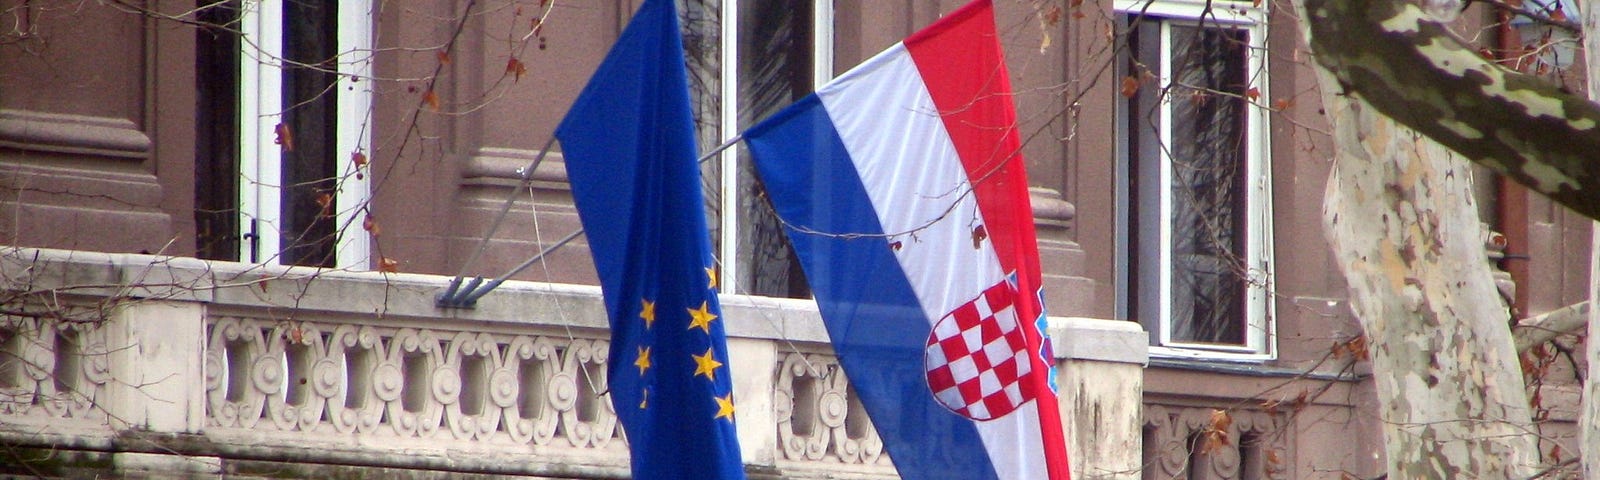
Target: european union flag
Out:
[630,153]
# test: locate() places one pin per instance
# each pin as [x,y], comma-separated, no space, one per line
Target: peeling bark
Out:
[1397,208]
[1406,65]
[1448,378]
[1589,418]
[1534,331]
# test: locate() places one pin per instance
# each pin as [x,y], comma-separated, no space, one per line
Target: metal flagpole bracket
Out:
[459,295]
[467,296]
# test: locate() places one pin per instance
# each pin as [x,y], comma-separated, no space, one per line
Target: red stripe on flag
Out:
[961,62]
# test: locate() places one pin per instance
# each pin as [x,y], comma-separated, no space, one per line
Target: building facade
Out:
[287,186]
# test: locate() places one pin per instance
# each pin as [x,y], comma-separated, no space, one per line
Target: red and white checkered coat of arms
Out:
[977,356]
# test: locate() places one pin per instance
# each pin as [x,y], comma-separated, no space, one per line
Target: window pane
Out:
[775,69]
[701,21]
[1209,209]
[217,133]
[310,52]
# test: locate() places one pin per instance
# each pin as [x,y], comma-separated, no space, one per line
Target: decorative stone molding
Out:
[819,418]
[1254,444]
[56,132]
[1050,209]
[313,369]
[500,165]
[375,382]
[52,370]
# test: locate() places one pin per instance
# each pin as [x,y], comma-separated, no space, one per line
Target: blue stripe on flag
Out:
[877,326]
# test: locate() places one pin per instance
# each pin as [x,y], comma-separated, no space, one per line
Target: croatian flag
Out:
[902,188]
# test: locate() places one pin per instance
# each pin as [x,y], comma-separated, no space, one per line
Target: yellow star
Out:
[644,401]
[706,364]
[648,313]
[711,273]
[725,407]
[643,362]
[702,317]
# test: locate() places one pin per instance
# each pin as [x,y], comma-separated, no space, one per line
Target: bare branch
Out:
[1408,66]
[1533,331]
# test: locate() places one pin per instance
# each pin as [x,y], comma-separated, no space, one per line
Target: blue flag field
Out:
[629,146]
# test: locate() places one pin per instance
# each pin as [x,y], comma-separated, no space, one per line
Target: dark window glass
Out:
[1209,210]
[1205,159]
[775,69]
[310,51]
[216,173]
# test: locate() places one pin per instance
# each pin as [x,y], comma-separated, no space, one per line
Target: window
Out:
[777,51]
[284,109]
[1194,178]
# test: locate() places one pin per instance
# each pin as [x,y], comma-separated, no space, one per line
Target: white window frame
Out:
[260,112]
[822,72]
[1260,335]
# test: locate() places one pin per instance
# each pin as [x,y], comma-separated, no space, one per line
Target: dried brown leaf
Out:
[431,100]
[1051,16]
[1358,347]
[325,200]
[1130,86]
[516,68]
[370,224]
[1271,407]
[284,137]
[1221,420]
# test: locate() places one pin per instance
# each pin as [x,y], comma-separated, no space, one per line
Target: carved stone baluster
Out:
[488,416]
[408,383]
[237,376]
[605,425]
[296,405]
[529,404]
[1255,445]
[797,398]
[324,380]
[588,419]
[1170,443]
[87,381]
[283,416]
[833,405]
[448,386]
[350,372]
[860,435]
[1223,459]
[470,357]
[1267,450]
[26,363]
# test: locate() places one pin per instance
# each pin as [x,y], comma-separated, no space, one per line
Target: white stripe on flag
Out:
[916,179]
[913,179]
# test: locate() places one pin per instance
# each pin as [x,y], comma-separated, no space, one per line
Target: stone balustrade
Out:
[128,363]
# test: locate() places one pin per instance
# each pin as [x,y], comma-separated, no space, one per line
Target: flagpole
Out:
[455,296]
[449,297]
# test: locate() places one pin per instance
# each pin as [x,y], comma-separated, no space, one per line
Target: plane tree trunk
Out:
[1589,420]
[1400,216]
